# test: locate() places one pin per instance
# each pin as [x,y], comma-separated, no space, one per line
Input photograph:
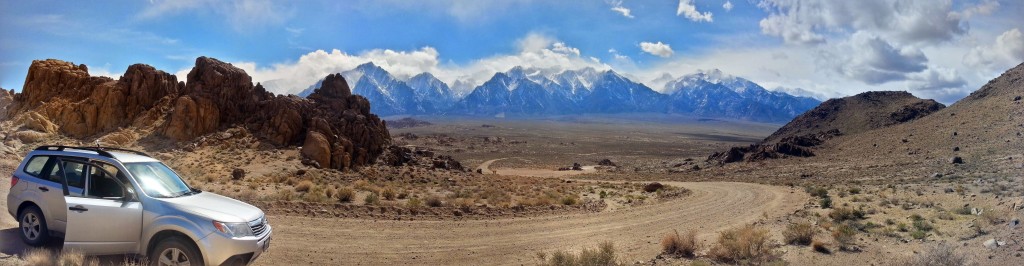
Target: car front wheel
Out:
[175,251]
[33,226]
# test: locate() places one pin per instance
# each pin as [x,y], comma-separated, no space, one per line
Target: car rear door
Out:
[107,217]
[51,188]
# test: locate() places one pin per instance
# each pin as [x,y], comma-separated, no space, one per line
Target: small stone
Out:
[956,160]
[991,243]
[237,174]
[937,175]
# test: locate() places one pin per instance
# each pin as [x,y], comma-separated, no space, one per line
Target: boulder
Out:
[653,187]
[237,174]
[991,243]
[956,160]
[317,148]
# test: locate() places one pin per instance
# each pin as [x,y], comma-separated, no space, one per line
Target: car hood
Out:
[216,207]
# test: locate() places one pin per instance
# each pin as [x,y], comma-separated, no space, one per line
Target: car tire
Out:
[32,226]
[173,251]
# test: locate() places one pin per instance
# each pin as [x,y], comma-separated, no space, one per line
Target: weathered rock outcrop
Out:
[82,105]
[6,97]
[335,127]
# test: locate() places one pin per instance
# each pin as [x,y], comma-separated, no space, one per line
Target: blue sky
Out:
[934,48]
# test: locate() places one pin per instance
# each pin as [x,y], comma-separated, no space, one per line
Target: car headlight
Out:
[233,229]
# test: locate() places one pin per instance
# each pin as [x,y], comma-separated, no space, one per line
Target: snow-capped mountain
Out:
[714,94]
[531,91]
[387,94]
[613,93]
[433,95]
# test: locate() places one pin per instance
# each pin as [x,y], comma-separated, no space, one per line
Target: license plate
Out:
[266,245]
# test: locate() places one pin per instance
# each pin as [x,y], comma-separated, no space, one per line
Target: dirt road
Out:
[635,231]
[534,172]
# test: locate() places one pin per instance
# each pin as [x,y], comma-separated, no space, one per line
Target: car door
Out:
[107,217]
[52,187]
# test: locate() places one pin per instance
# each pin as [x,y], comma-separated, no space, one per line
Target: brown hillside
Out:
[335,128]
[844,116]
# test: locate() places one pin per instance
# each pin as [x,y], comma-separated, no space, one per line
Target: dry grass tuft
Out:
[941,255]
[346,195]
[799,234]
[304,186]
[685,245]
[745,245]
[844,234]
[603,255]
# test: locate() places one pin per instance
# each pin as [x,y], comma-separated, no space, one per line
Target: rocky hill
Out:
[334,127]
[844,116]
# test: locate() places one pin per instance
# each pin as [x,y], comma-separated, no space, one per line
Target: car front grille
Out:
[258,226]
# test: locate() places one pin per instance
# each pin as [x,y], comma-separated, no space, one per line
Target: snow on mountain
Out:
[715,94]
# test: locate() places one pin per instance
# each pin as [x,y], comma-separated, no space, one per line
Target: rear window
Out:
[35,165]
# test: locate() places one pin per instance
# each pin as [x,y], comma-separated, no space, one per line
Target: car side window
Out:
[56,173]
[74,173]
[35,165]
[104,183]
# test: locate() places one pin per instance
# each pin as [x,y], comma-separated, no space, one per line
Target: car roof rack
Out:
[102,151]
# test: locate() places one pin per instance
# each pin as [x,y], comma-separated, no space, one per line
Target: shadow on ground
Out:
[11,247]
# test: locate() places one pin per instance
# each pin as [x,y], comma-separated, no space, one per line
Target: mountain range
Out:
[533,92]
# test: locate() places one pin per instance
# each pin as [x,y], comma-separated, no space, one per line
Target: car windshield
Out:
[158,180]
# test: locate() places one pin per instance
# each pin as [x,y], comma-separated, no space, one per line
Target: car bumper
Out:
[222,250]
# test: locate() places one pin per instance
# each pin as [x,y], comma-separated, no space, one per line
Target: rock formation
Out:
[6,97]
[335,127]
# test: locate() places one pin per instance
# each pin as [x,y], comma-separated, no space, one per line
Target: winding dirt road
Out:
[711,207]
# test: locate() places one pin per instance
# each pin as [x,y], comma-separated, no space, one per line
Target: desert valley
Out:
[690,132]
[908,180]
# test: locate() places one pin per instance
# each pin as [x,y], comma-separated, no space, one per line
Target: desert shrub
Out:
[372,199]
[992,216]
[603,255]
[843,235]
[285,195]
[817,192]
[855,190]
[685,245]
[825,202]
[346,194]
[743,245]
[845,214]
[799,234]
[919,234]
[315,194]
[74,258]
[941,255]
[922,225]
[963,210]
[388,193]
[304,186]
[569,200]
[414,204]
[434,202]
[38,257]
[652,187]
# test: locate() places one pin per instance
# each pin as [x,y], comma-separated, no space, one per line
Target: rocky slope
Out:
[844,116]
[334,127]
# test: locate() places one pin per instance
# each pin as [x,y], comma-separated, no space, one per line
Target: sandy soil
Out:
[711,207]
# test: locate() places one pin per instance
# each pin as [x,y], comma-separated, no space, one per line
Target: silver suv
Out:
[116,201]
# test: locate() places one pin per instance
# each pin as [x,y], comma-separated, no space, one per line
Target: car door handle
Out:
[78,208]
[44,189]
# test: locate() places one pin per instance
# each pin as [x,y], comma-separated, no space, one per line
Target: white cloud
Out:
[535,50]
[617,7]
[658,49]
[872,60]
[727,6]
[908,21]
[242,15]
[1006,52]
[942,84]
[687,9]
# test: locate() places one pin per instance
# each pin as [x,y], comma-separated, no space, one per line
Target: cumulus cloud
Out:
[658,49]
[618,8]
[242,15]
[535,50]
[727,6]
[688,10]
[874,61]
[939,83]
[1007,51]
[909,21]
